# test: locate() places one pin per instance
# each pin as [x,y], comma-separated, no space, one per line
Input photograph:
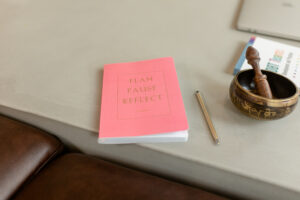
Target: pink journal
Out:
[142,102]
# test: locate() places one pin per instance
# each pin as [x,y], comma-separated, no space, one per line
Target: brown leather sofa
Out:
[35,166]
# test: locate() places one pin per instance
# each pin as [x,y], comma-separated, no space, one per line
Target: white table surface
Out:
[51,59]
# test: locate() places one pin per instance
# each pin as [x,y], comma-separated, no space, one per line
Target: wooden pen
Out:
[207,118]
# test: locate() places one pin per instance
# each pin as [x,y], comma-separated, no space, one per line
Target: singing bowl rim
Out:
[270,102]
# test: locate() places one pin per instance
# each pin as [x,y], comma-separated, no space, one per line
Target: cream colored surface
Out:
[51,59]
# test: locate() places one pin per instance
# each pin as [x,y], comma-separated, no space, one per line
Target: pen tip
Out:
[197,91]
[217,141]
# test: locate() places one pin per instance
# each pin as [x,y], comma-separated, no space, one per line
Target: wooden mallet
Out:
[261,83]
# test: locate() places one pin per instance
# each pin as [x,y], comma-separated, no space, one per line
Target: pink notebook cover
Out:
[141,98]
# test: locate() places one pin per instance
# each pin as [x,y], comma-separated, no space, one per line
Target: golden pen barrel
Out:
[207,117]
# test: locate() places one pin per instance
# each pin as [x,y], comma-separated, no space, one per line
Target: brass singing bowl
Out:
[244,97]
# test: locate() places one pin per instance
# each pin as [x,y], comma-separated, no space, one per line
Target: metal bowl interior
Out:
[282,87]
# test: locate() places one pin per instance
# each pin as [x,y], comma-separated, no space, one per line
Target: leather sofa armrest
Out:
[24,150]
[77,176]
